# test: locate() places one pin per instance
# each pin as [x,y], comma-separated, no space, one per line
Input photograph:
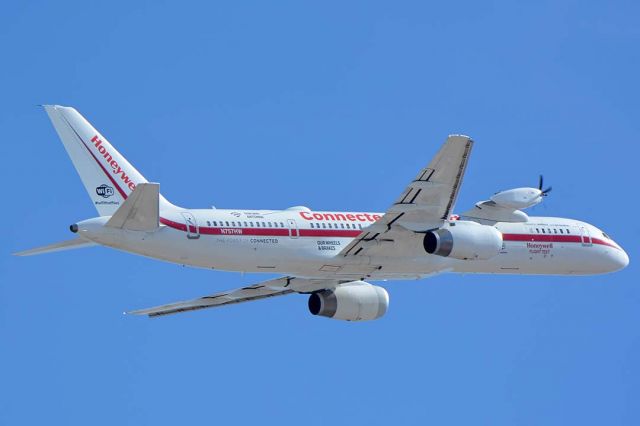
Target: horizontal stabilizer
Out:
[140,212]
[64,245]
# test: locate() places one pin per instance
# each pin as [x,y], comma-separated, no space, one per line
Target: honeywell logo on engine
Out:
[115,168]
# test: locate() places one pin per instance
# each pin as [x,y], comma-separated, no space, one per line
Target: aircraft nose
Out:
[619,259]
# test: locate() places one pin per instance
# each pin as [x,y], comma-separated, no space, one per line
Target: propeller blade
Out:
[547,191]
[540,182]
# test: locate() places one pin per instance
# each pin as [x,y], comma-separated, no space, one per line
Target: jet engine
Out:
[464,240]
[354,301]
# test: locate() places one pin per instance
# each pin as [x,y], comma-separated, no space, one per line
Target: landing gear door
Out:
[293,228]
[193,231]
[585,237]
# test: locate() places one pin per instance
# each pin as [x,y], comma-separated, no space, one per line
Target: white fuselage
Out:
[299,242]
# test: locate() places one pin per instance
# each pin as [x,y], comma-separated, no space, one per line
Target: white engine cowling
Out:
[464,240]
[354,301]
[518,198]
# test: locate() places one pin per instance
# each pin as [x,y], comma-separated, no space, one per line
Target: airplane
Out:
[329,255]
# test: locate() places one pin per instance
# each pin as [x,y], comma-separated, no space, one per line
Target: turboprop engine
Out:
[354,301]
[521,198]
[464,240]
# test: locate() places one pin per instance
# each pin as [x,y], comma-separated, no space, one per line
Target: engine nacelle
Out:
[354,301]
[464,240]
[518,198]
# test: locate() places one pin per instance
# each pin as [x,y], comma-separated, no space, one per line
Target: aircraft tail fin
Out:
[107,176]
[63,245]
[140,211]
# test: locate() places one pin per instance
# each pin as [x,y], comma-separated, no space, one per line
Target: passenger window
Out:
[324,225]
[227,223]
[251,224]
[269,224]
[233,224]
[568,231]
[543,230]
[342,225]
[208,223]
[360,225]
[555,231]
[561,231]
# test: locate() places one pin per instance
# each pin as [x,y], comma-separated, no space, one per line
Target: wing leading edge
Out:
[426,202]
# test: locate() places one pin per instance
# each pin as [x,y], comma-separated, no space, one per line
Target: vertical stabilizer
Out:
[107,176]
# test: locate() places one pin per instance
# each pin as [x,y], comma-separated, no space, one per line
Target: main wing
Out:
[426,202]
[263,290]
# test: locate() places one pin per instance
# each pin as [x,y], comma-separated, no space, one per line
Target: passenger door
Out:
[293,228]
[585,237]
[193,230]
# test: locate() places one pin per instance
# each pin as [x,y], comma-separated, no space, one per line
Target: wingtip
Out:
[460,135]
[137,312]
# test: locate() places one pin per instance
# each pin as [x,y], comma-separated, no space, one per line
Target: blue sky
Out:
[334,105]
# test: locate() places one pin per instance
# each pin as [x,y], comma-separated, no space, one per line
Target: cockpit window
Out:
[604,234]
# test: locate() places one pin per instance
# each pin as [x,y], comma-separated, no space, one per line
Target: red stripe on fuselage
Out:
[329,233]
[336,233]
[555,239]
[542,238]
[263,232]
